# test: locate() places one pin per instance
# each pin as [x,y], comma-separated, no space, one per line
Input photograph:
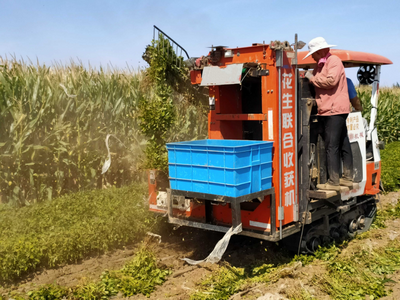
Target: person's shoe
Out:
[328,186]
[346,182]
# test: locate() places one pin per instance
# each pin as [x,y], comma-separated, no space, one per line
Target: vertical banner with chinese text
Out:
[289,199]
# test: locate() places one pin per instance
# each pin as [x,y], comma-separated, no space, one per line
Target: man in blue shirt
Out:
[355,101]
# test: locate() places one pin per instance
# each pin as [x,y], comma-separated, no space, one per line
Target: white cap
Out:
[317,44]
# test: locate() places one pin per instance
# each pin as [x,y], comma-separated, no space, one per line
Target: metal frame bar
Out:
[374,101]
[280,142]
[241,117]
[225,199]
[167,36]
[273,214]
[273,237]
[305,102]
[236,213]
[296,141]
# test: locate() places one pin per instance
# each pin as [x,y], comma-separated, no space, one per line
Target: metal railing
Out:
[178,49]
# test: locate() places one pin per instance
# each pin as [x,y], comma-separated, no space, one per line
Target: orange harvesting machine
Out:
[258,168]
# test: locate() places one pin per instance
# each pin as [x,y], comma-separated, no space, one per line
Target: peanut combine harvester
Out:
[257,167]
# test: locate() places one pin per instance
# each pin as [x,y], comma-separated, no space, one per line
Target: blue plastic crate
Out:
[222,167]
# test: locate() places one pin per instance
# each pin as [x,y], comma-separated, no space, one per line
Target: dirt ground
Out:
[197,244]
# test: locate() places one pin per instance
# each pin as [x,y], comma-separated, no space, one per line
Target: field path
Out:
[197,244]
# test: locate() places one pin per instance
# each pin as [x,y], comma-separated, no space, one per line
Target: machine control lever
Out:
[311,166]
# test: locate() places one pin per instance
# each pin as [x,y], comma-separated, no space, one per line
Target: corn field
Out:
[54,121]
[388,118]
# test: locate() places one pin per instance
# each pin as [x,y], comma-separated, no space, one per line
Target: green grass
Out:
[70,228]
[225,282]
[390,158]
[139,276]
[363,273]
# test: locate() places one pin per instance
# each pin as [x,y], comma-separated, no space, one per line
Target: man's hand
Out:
[356,103]
[309,75]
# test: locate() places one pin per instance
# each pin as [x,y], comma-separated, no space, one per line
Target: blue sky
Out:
[116,32]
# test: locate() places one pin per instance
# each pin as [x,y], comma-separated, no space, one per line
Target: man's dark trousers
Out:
[336,143]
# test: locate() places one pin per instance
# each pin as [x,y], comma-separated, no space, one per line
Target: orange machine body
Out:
[263,108]
[373,178]
[226,122]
